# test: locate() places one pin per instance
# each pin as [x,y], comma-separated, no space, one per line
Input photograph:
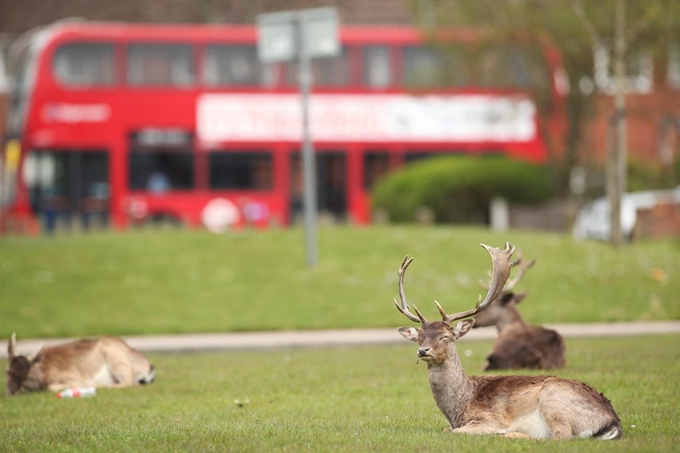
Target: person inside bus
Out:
[158,183]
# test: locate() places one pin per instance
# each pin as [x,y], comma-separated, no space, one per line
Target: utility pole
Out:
[617,158]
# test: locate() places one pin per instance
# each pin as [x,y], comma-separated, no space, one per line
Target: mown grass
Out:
[147,282]
[341,400]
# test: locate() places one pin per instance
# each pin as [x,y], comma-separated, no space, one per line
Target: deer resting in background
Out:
[519,345]
[99,362]
[542,407]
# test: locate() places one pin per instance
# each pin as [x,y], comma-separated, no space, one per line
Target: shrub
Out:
[643,176]
[459,189]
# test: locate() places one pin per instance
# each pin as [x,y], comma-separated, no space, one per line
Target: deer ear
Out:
[520,297]
[410,333]
[506,298]
[463,327]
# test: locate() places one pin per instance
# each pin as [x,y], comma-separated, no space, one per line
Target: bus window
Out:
[235,65]
[326,71]
[240,170]
[66,184]
[84,64]
[377,66]
[160,65]
[422,67]
[331,185]
[435,67]
[161,171]
[376,165]
[513,65]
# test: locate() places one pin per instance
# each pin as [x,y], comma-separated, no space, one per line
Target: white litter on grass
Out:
[468,353]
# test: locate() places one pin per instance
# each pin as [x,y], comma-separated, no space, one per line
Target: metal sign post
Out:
[308,158]
[301,35]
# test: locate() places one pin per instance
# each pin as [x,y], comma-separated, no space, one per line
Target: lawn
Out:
[341,400]
[173,281]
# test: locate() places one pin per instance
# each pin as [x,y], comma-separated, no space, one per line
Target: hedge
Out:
[459,189]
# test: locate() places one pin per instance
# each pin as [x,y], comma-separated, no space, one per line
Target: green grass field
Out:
[147,282]
[341,400]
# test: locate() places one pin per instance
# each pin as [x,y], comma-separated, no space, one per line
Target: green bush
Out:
[459,189]
[643,176]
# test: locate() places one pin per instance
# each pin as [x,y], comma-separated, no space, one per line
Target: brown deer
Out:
[98,362]
[519,345]
[543,407]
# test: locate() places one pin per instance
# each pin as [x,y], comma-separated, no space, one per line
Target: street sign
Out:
[278,34]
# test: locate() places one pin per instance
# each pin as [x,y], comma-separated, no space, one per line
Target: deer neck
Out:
[511,316]
[451,387]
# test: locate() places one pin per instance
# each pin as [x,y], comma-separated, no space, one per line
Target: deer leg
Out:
[122,374]
[475,428]
[558,426]
[59,386]
[517,435]
[552,411]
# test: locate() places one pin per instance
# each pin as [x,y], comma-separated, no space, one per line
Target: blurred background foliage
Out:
[573,27]
[459,189]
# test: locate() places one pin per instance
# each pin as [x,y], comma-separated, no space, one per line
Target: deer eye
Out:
[445,338]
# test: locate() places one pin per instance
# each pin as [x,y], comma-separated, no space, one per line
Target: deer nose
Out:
[422,352]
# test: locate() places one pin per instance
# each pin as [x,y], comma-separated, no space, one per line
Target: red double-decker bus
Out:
[129,122]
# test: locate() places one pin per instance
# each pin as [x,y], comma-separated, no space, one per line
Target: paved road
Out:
[348,337]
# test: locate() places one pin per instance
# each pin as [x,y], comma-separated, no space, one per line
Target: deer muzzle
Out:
[422,352]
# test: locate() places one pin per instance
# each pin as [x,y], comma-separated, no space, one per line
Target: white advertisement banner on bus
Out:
[378,118]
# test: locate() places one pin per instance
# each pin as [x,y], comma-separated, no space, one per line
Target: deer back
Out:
[525,346]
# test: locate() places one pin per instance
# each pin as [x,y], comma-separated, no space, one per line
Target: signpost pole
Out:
[300,36]
[308,158]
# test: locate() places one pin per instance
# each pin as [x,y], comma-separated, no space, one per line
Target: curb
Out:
[334,338]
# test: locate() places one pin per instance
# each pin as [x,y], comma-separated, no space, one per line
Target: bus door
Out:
[68,187]
[331,186]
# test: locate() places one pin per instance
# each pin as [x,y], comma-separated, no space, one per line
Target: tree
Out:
[576,27]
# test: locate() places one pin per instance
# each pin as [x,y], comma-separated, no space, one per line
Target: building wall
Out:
[653,126]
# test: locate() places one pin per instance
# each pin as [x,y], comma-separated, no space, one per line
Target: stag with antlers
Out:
[543,407]
[519,345]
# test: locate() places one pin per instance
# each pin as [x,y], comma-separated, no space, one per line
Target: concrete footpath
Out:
[346,337]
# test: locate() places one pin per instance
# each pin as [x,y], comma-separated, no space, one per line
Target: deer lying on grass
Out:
[543,407]
[519,345]
[100,362]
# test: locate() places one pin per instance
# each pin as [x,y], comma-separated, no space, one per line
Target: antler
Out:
[11,346]
[523,267]
[35,353]
[501,272]
[403,308]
